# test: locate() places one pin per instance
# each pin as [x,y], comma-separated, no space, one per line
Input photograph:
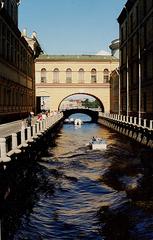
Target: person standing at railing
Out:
[28,120]
[39,117]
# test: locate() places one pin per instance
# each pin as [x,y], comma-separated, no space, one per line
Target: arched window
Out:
[43,75]
[93,76]
[81,75]
[106,75]
[56,75]
[68,75]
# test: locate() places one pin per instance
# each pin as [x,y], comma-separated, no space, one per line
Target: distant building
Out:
[17,70]
[71,103]
[136,68]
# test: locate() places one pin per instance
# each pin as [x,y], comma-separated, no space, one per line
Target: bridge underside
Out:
[90,113]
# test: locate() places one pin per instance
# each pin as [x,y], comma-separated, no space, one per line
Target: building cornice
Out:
[72,85]
[76,58]
[127,7]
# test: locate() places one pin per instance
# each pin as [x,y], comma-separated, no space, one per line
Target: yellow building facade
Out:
[60,76]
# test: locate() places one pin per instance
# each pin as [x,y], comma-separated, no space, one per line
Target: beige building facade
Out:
[60,76]
[17,85]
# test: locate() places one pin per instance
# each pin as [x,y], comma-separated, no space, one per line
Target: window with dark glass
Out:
[43,75]
[68,75]
[106,75]
[81,75]
[56,75]
[93,75]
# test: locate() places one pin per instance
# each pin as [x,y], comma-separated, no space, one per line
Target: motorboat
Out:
[97,144]
[78,121]
[69,120]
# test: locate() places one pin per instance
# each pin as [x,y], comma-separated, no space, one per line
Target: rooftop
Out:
[44,57]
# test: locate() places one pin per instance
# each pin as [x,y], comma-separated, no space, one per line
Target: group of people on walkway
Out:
[41,116]
[28,122]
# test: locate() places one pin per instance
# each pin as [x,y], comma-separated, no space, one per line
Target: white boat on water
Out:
[77,121]
[98,143]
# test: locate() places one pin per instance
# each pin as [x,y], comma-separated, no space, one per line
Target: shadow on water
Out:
[73,193]
[131,171]
[26,182]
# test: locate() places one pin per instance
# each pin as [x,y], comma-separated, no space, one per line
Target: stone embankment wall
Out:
[21,150]
[15,143]
[141,134]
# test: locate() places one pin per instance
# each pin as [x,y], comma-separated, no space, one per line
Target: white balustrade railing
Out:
[131,120]
[33,132]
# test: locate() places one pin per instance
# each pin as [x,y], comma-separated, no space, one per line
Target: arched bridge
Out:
[90,112]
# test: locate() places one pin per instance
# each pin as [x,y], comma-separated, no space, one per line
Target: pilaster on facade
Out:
[136,47]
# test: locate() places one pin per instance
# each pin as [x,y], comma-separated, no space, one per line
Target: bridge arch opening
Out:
[86,104]
[80,100]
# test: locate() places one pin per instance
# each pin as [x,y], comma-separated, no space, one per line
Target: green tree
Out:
[90,104]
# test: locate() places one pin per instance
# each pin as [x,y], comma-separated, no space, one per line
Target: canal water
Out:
[74,193]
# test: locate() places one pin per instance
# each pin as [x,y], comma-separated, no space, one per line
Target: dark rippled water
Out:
[75,193]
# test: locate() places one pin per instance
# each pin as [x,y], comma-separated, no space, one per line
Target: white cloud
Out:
[103,52]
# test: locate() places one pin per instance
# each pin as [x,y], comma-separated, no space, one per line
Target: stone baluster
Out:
[23,142]
[135,120]
[145,123]
[29,139]
[3,154]
[37,127]
[33,130]
[139,121]
[14,143]
[151,124]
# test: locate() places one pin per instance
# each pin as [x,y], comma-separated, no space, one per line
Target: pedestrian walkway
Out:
[14,135]
[13,127]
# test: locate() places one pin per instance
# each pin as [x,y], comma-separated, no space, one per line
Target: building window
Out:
[93,75]
[145,102]
[81,75]
[68,75]
[106,75]
[43,75]
[4,40]
[56,75]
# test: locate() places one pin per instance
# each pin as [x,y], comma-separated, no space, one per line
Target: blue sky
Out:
[71,26]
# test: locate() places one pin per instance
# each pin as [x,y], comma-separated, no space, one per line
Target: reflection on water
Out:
[82,116]
[76,193]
